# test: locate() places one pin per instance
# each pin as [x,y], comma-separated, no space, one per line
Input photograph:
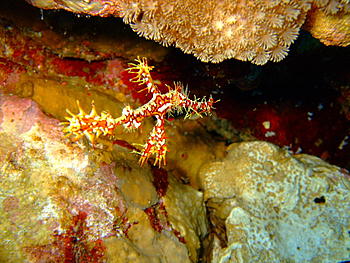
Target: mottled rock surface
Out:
[60,203]
[267,205]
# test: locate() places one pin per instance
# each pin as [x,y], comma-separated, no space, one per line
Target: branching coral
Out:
[93,125]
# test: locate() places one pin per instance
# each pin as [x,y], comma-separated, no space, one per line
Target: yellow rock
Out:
[55,193]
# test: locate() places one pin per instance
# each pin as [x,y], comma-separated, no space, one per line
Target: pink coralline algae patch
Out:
[159,221]
[74,242]
[91,72]
[21,114]
[70,246]
[160,180]
[122,224]
[11,206]
[30,55]
[25,54]
[114,69]
[10,203]
[10,73]
[9,67]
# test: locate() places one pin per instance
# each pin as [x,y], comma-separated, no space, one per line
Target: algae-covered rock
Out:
[270,206]
[61,203]
[65,202]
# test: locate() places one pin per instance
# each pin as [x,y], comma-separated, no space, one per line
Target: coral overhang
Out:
[249,30]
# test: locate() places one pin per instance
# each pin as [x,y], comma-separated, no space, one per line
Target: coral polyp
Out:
[93,125]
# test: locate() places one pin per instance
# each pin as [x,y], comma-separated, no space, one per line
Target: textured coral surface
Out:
[329,29]
[275,207]
[254,30]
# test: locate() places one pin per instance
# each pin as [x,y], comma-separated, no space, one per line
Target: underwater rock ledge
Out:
[60,202]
